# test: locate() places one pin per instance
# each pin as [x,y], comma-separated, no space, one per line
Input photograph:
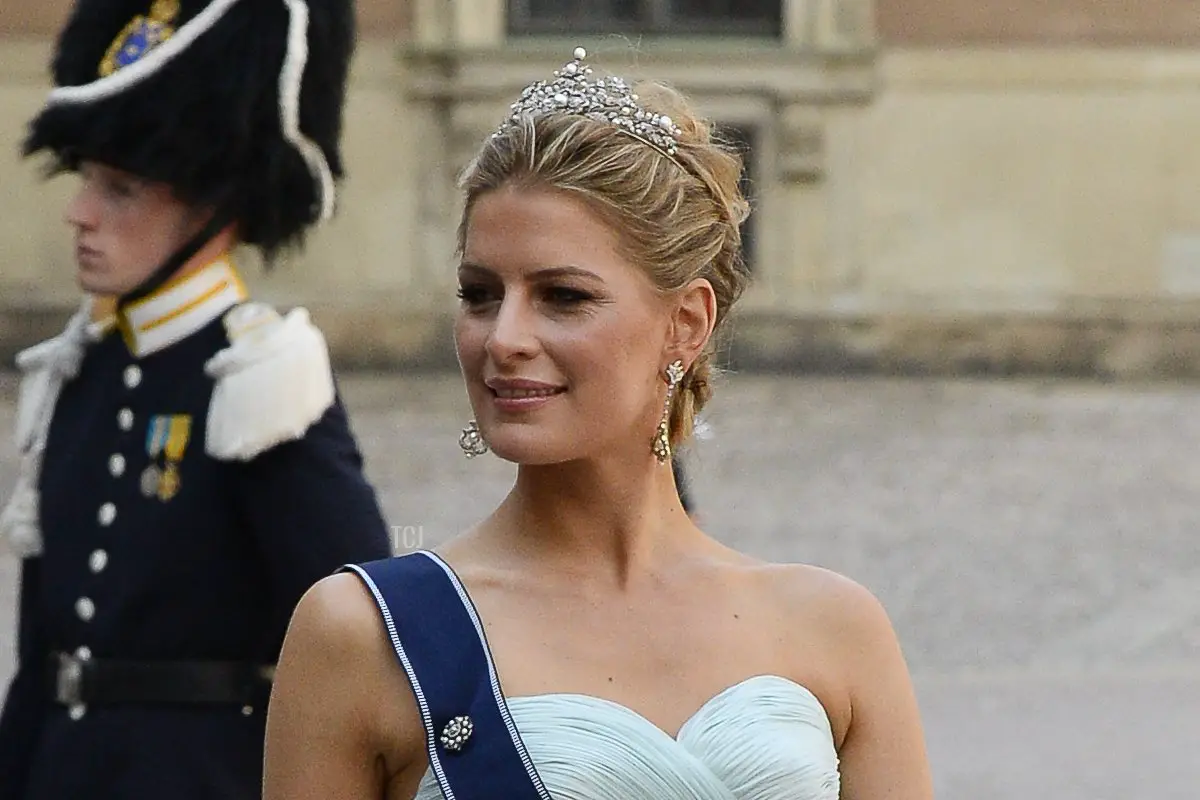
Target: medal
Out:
[151,476]
[178,432]
[167,437]
[168,484]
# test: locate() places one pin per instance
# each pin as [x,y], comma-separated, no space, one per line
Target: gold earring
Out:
[471,441]
[662,437]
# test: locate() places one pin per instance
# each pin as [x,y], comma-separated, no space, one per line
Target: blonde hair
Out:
[679,218]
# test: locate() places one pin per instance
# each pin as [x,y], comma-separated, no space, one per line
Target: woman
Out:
[587,640]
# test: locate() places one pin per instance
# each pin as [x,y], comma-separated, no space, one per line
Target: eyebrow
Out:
[563,271]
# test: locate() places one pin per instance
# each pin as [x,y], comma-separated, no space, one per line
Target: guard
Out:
[188,470]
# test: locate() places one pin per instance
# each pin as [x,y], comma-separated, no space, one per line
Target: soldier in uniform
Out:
[188,469]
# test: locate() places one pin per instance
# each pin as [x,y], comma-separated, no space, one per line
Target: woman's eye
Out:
[562,295]
[474,295]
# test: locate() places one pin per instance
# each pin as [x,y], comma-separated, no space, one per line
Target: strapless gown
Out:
[765,738]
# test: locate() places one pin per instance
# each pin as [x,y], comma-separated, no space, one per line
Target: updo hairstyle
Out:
[679,218]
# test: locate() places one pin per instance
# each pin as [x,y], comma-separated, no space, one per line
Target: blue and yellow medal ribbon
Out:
[156,435]
[178,432]
[179,429]
[168,436]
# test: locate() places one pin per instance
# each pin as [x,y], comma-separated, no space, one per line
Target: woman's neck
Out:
[602,521]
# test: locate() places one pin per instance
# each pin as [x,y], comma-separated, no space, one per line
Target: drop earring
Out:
[662,437]
[471,441]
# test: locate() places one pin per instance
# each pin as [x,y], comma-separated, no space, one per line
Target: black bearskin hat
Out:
[237,104]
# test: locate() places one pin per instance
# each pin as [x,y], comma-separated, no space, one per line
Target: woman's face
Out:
[125,228]
[562,342]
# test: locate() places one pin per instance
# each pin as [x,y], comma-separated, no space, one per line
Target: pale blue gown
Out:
[766,738]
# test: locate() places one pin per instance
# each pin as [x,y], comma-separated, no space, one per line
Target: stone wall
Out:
[928,201]
[975,23]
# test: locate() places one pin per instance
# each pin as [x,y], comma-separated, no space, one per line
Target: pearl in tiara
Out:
[607,100]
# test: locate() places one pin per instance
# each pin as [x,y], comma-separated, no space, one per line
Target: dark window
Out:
[651,17]
[725,10]
[568,15]
[745,138]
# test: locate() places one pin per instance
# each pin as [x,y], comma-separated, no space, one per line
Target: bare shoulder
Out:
[335,629]
[337,626]
[339,675]
[336,615]
[849,634]
[848,621]
[827,596]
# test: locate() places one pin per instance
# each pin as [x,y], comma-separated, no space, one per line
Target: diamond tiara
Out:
[607,100]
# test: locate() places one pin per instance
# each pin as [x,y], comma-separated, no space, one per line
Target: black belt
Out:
[99,681]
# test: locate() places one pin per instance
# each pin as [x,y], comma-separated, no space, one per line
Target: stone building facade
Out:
[939,185]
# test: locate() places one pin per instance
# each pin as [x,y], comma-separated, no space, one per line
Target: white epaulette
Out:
[272,382]
[45,367]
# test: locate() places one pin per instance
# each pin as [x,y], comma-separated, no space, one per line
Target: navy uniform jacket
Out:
[206,567]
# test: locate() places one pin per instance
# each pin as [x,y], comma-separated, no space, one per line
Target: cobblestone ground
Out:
[1036,544]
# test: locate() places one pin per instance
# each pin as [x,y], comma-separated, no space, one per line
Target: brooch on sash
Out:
[166,439]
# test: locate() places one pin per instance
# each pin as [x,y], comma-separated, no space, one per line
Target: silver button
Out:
[125,419]
[97,561]
[108,512]
[133,376]
[76,712]
[116,465]
[83,653]
[247,711]
[85,608]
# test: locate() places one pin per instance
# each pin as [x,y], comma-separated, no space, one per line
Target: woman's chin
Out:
[525,453]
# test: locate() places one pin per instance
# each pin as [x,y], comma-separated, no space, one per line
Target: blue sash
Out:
[474,748]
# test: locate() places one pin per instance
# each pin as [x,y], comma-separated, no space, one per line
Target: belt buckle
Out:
[68,682]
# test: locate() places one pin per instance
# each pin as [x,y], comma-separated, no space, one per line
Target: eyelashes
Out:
[478,296]
[472,295]
[567,296]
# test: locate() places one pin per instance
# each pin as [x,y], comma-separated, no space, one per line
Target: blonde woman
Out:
[586,641]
